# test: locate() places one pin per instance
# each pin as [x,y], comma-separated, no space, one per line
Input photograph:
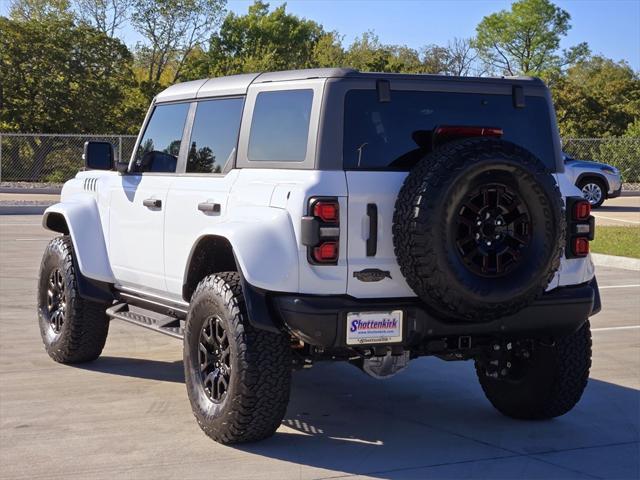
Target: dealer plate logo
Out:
[365,328]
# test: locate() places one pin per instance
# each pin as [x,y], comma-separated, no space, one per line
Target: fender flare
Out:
[265,251]
[82,219]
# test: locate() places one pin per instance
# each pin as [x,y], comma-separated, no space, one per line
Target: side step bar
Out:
[172,326]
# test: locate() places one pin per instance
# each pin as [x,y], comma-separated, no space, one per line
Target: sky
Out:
[610,27]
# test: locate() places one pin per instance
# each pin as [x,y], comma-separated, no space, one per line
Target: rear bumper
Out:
[321,320]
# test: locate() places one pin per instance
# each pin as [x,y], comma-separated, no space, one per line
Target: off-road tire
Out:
[85,325]
[424,236]
[551,383]
[260,365]
[603,189]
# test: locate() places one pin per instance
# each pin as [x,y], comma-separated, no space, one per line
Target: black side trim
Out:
[309,231]
[597,304]
[372,241]
[258,309]
[94,290]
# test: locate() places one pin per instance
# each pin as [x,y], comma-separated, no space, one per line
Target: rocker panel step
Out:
[158,322]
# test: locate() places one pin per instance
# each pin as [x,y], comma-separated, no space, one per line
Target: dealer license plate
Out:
[374,327]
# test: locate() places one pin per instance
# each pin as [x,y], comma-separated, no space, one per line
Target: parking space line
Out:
[607,329]
[619,286]
[616,219]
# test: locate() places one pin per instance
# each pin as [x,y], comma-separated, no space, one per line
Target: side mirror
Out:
[122,167]
[98,155]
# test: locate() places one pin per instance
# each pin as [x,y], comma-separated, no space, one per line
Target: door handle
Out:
[372,241]
[209,207]
[152,203]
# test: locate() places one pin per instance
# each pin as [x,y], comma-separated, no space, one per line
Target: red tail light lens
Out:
[462,132]
[581,210]
[326,211]
[580,247]
[326,252]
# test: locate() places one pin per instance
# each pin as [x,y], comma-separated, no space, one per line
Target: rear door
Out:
[386,134]
[197,198]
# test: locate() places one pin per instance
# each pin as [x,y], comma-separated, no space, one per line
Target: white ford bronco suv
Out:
[275,220]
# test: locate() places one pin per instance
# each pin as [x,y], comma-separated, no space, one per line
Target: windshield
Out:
[396,134]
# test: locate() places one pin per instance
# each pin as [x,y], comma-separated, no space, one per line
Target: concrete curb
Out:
[22,209]
[625,263]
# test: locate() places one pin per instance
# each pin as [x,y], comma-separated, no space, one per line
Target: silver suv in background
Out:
[597,181]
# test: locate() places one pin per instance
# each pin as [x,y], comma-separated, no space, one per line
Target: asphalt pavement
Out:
[127,415]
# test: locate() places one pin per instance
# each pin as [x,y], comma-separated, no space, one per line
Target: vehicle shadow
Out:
[435,416]
[616,208]
[431,420]
[137,367]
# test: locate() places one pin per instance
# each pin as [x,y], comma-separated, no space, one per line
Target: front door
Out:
[139,201]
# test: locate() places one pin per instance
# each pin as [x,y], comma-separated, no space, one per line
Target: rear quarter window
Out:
[392,135]
[280,126]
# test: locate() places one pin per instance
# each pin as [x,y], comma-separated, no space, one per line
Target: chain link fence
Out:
[622,153]
[50,158]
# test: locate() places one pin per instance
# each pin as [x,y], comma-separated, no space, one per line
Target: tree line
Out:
[65,69]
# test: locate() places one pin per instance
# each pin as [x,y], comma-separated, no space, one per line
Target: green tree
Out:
[526,39]
[172,29]
[40,10]
[261,40]
[56,77]
[597,98]
[368,54]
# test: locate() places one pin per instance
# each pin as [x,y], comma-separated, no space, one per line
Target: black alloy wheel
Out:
[215,359]
[56,301]
[492,228]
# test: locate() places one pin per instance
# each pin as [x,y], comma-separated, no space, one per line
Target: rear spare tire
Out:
[478,229]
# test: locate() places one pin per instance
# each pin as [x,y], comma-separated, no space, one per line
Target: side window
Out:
[214,135]
[280,126]
[160,144]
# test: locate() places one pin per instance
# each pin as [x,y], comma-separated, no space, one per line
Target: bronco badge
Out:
[372,275]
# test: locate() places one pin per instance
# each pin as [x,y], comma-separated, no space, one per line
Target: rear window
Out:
[396,134]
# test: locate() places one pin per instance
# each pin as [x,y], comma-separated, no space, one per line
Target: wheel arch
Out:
[210,254]
[593,175]
[214,253]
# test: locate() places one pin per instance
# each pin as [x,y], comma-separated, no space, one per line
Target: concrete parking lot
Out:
[126,415]
[621,211]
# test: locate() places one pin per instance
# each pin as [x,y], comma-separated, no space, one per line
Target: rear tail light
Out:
[581,210]
[447,133]
[581,227]
[580,246]
[326,252]
[320,231]
[326,211]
